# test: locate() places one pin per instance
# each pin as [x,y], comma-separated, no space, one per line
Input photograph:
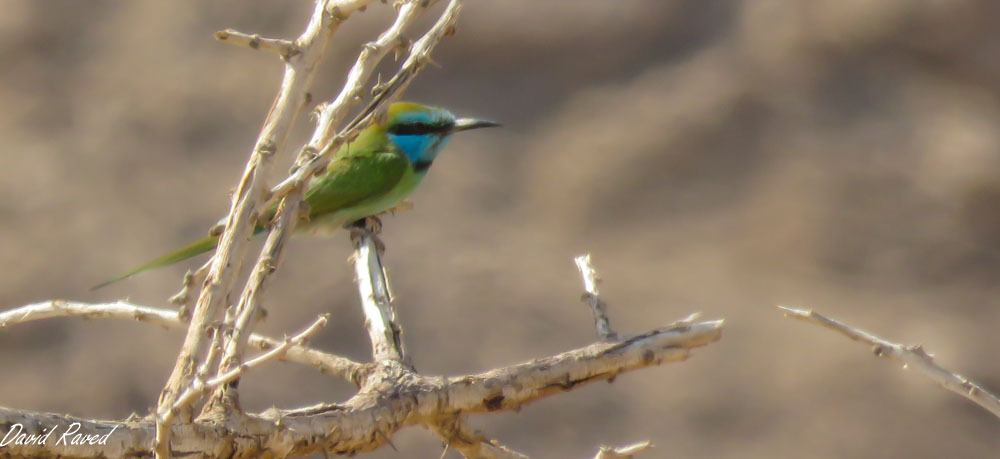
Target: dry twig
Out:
[391,397]
[201,387]
[911,356]
[623,452]
[325,363]
[590,295]
[470,442]
[284,48]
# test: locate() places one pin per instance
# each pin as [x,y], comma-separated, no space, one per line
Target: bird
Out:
[374,173]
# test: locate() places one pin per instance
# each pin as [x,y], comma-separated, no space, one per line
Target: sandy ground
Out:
[721,157]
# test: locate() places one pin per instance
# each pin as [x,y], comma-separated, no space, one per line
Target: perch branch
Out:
[511,387]
[376,299]
[391,398]
[911,356]
[325,363]
[590,280]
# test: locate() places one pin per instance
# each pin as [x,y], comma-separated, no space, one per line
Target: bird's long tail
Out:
[195,248]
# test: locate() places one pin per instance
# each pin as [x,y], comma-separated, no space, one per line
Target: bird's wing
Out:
[353,178]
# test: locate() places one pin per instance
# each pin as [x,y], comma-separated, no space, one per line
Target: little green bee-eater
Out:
[372,174]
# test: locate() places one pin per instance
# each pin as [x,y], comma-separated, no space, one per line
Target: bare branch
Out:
[590,280]
[471,442]
[509,388]
[117,310]
[623,452]
[284,48]
[391,398]
[183,298]
[911,356]
[201,387]
[330,364]
[376,301]
[324,362]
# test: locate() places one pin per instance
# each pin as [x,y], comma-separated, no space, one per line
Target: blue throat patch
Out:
[420,148]
[419,145]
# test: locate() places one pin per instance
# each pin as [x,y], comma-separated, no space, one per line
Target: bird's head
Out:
[420,132]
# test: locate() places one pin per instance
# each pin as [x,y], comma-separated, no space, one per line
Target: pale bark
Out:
[912,357]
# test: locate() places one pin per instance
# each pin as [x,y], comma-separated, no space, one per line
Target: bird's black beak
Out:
[464,124]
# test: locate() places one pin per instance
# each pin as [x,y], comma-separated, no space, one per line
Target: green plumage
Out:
[193,249]
[370,175]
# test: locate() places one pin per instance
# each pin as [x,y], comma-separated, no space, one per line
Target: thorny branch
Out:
[457,433]
[325,363]
[284,48]
[376,300]
[200,387]
[911,356]
[238,323]
[250,191]
[288,209]
[591,296]
[391,397]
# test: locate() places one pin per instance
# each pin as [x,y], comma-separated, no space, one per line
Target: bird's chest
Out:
[367,207]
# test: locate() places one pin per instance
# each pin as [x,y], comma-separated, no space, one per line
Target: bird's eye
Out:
[417,128]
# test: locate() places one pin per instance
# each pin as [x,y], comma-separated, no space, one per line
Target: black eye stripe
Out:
[417,128]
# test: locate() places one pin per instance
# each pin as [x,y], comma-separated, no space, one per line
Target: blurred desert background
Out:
[721,157]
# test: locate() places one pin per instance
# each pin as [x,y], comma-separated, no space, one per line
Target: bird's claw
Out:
[368,226]
[375,224]
[372,225]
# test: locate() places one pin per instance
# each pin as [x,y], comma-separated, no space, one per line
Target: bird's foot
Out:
[372,225]
[368,226]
